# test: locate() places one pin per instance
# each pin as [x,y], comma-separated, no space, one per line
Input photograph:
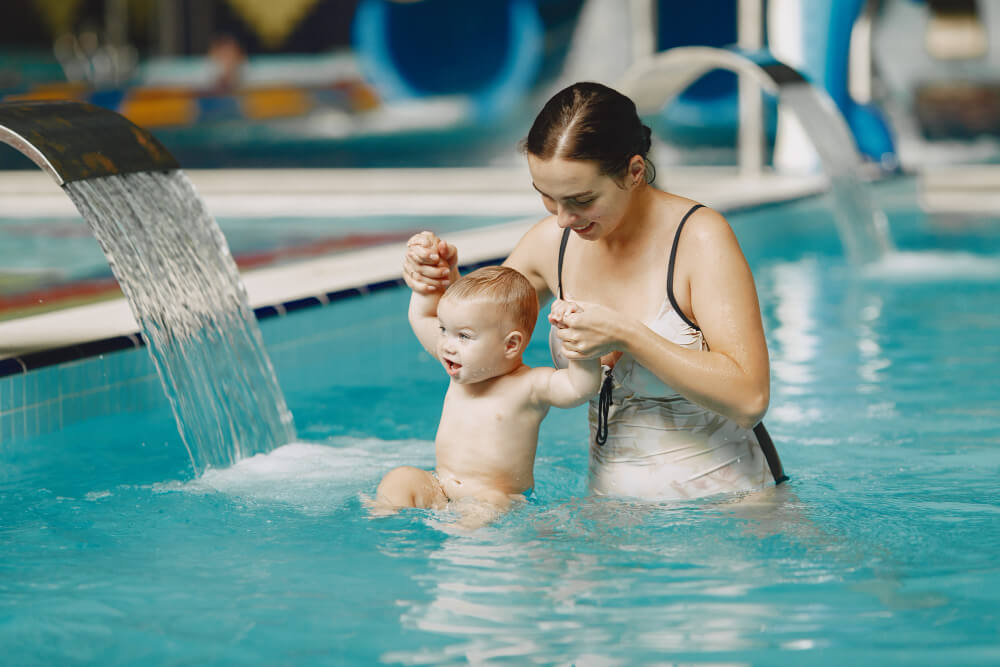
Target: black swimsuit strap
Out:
[562,253]
[670,266]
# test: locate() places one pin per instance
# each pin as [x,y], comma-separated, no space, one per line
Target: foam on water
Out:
[313,477]
[933,266]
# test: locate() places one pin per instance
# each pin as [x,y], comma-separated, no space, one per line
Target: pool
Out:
[880,550]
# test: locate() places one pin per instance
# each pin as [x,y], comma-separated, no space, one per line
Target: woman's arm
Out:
[713,282]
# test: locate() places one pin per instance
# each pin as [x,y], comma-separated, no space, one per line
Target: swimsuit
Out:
[658,444]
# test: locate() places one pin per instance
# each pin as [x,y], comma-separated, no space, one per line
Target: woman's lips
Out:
[583,230]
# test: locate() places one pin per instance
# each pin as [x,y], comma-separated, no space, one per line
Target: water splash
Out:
[862,226]
[175,269]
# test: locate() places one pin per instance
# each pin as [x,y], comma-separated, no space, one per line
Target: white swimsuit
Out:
[659,444]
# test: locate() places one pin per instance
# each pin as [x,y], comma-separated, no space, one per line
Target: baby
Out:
[486,439]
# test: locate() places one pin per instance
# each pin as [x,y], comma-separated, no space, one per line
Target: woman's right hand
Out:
[430,264]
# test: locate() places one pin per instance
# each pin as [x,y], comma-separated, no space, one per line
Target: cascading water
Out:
[174,266]
[862,225]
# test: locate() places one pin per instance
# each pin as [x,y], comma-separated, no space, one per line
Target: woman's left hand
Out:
[588,330]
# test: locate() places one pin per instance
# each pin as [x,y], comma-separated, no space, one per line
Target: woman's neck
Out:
[633,228]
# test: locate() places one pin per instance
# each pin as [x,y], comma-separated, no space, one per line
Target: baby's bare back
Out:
[486,439]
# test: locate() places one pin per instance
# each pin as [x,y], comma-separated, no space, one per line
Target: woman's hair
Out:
[512,293]
[589,121]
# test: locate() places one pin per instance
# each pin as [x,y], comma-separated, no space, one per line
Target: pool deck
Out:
[318,192]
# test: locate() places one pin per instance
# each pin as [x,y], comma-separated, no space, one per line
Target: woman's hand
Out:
[559,310]
[588,330]
[430,264]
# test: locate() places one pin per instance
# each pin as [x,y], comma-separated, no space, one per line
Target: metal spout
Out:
[75,141]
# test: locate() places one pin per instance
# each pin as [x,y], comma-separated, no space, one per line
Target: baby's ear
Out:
[513,344]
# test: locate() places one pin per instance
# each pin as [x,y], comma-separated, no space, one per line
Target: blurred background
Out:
[285,113]
[377,83]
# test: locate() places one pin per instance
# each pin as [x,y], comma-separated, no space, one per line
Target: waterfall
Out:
[862,226]
[174,267]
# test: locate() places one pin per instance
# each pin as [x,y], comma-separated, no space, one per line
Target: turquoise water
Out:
[880,551]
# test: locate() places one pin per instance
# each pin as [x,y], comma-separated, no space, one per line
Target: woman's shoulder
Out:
[702,224]
[537,245]
[707,245]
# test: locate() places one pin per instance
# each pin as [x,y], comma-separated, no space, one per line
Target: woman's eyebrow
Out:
[573,196]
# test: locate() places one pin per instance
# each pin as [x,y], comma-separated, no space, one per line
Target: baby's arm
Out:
[424,302]
[575,384]
[571,386]
[423,319]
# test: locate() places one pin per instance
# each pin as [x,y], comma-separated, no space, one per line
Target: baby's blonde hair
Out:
[512,293]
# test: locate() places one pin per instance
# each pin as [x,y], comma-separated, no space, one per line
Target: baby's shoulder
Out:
[534,381]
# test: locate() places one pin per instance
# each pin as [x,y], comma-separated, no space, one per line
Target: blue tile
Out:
[16,392]
[17,424]
[49,417]
[31,425]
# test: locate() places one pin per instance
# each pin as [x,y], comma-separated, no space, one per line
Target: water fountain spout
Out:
[174,267]
[75,141]
[862,227]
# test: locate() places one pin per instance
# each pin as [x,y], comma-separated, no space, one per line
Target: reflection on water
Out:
[601,581]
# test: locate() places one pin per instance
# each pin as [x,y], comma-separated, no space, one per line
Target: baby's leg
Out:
[485,508]
[407,486]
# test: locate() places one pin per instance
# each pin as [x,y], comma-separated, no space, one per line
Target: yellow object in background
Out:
[272,20]
[160,107]
[52,91]
[261,103]
[59,16]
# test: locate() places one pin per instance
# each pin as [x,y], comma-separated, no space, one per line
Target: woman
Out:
[663,295]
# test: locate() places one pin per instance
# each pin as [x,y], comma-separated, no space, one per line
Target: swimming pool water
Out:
[881,550]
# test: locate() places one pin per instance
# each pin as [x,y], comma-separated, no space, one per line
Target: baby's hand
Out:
[429,263]
[560,309]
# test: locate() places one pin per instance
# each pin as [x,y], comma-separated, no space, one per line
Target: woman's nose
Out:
[566,218]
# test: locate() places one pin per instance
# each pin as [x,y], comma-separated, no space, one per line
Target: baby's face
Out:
[471,340]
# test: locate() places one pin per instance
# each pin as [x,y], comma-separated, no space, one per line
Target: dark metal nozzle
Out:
[74,141]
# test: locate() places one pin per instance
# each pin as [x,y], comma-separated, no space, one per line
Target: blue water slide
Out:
[826,39]
[493,51]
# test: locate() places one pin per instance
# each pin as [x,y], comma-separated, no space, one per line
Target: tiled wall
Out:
[46,399]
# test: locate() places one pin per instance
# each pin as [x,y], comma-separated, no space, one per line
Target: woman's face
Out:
[581,198]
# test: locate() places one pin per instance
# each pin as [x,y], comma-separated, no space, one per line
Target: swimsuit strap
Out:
[770,453]
[670,267]
[562,253]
